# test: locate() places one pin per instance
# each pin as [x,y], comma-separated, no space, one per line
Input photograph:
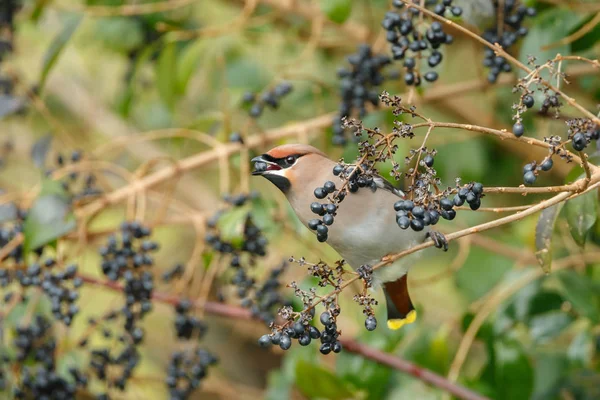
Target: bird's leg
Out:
[439,240]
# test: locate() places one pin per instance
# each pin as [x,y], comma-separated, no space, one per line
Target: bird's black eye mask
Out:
[269,163]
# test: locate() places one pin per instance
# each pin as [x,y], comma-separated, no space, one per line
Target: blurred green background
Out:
[104,70]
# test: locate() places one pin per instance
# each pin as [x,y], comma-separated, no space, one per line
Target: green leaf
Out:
[581,213]
[337,11]
[513,371]
[188,63]
[166,78]
[485,333]
[56,47]
[231,225]
[49,218]
[543,302]
[550,369]
[543,236]
[475,281]
[581,349]
[548,325]
[120,34]
[579,292]
[315,381]
[38,9]
[278,387]
[364,374]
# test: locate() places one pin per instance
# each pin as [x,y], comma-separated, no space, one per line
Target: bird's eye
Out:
[290,160]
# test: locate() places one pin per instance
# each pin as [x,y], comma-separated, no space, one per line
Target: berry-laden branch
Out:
[423,204]
[500,51]
[233,312]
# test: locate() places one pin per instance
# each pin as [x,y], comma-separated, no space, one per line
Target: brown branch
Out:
[420,373]
[199,160]
[10,246]
[350,345]
[351,30]
[129,9]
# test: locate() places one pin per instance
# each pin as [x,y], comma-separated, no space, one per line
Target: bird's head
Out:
[285,165]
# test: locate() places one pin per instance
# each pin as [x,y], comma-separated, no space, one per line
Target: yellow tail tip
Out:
[395,324]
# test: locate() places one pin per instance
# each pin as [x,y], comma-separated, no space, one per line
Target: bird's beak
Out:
[262,165]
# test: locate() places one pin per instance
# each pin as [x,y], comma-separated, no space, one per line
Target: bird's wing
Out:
[381,183]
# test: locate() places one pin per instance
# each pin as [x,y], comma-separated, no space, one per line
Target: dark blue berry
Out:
[547,165]
[579,141]
[529,178]
[313,223]
[325,348]
[325,318]
[329,187]
[320,193]
[371,323]
[417,224]
[518,129]
[264,341]
[285,342]
[403,222]
[428,160]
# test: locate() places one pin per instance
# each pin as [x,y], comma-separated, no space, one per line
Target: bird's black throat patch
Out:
[281,182]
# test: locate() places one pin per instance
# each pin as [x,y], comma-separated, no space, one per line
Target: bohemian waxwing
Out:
[365,227]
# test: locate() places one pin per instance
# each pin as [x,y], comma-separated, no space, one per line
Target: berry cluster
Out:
[582,131]
[81,187]
[35,347]
[8,10]
[305,334]
[187,325]
[506,34]
[115,368]
[128,258]
[13,226]
[266,298]
[34,342]
[531,170]
[357,87]
[408,43]
[298,325]
[186,371]
[48,384]
[355,178]
[61,287]
[252,242]
[327,210]
[268,98]
[262,297]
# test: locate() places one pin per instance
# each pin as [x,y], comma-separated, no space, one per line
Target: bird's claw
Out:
[439,240]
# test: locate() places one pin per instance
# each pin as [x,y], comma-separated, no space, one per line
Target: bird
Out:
[365,228]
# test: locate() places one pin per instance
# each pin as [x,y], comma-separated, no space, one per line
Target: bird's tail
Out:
[400,310]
